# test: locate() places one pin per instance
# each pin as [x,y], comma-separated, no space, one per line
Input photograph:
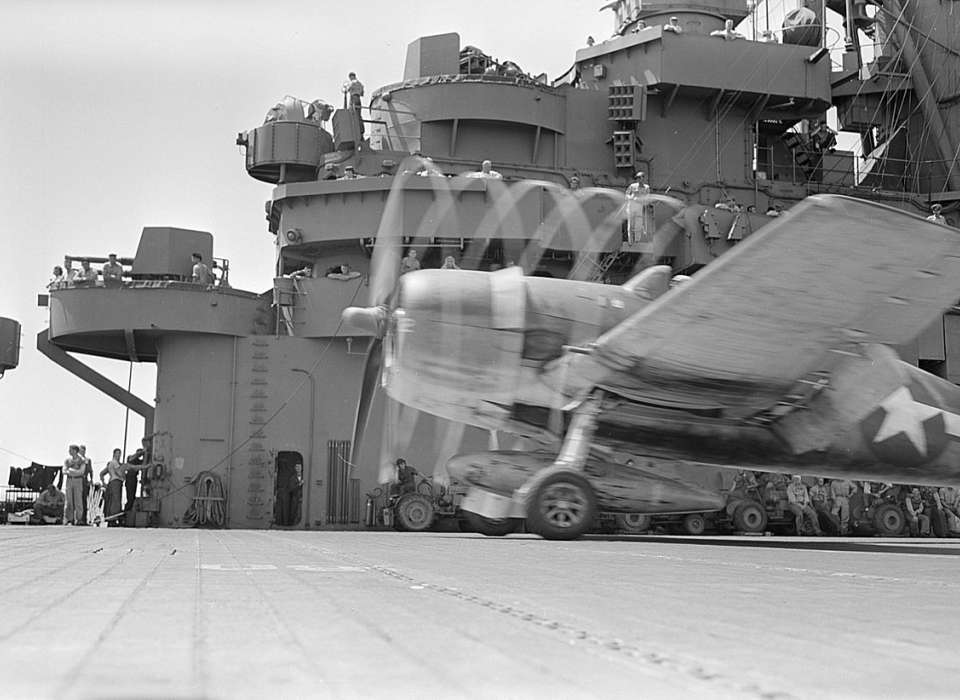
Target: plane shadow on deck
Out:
[825,544]
[935,547]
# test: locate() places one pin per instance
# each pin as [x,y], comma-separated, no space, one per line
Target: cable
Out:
[898,19]
[15,454]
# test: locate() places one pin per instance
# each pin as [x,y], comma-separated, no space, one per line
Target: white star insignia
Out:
[905,415]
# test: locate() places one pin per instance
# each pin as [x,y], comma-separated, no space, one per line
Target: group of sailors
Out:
[78,502]
[411,262]
[849,505]
[112,273]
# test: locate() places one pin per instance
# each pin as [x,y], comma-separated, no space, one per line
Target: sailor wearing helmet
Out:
[935,215]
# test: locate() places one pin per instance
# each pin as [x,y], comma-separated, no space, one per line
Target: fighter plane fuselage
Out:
[487,349]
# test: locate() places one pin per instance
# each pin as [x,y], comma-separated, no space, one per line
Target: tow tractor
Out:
[415,503]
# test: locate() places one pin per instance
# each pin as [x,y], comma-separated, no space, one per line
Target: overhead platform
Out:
[125,322]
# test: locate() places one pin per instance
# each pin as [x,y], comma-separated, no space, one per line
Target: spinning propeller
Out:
[381,317]
[377,319]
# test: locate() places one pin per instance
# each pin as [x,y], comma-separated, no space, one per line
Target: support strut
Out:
[96,380]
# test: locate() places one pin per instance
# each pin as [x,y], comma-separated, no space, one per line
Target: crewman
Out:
[840,492]
[49,504]
[112,271]
[798,503]
[73,469]
[410,262]
[343,273]
[673,26]
[87,481]
[352,92]
[486,171]
[820,499]
[114,472]
[135,463]
[574,183]
[745,485]
[58,280]
[950,500]
[935,510]
[918,521]
[935,215]
[87,273]
[406,477]
[728,32]
[70,274]
[640,221]
[201,273]
[289,486]
[775,490]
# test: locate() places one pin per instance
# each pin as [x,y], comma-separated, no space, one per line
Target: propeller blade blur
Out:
[371,377]
[399,423]
[447,444]
[369,319]
[384,266]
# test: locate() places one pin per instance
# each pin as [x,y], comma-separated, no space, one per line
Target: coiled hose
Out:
[208,507]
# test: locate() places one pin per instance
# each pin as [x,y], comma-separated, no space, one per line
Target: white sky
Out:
[120,114]
[115,115]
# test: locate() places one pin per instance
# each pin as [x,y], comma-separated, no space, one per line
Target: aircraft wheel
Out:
[562,507]
[414,512]
[750,517]
[694,524]
[632,523]
[491,527]
[888,520]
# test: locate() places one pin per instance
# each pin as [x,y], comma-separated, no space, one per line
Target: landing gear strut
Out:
[560,502]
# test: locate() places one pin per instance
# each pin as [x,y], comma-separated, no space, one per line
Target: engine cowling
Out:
[455,342]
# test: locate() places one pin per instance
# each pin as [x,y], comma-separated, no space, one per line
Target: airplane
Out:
[774,357]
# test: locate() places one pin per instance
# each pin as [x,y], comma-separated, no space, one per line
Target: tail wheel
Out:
[491,527]
[888,520]
[750,517]
[694,524]
[632,523]
[562,507]
[414,512]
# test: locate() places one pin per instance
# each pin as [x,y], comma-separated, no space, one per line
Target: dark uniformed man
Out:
[934,508]
[406,477]
[918,521]
[140,459]
[289,488]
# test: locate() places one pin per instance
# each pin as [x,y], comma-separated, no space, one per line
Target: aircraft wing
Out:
[789,301]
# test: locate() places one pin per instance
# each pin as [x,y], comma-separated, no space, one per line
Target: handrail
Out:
[180,284]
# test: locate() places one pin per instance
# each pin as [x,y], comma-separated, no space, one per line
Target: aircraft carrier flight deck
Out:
[226,614]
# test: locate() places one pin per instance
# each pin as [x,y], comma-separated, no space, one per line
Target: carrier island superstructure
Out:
[250,383]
